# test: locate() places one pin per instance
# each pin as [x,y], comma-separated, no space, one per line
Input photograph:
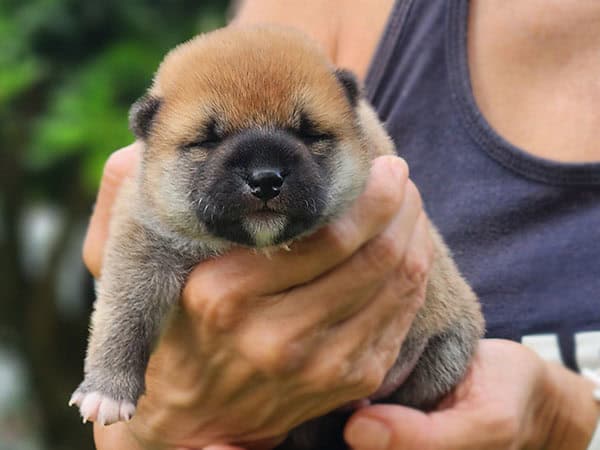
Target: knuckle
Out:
[273,354]
[386,191]
[331,374]
[193,297]
[416,266]
[380,256]
[371,380]
[339,238]
[395,168]
[504,427]
[418,300]
[385,201]
[207,298]
[413,295]
[420,255]
[413,195]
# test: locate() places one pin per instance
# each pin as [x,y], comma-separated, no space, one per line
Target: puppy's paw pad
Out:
[96,407]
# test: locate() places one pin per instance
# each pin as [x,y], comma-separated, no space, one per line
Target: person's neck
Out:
[535,69]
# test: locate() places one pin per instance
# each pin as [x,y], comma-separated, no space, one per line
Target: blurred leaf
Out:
[19,68]
[69,69]
[88,115]
[17,78]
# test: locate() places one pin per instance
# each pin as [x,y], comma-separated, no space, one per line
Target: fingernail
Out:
[368,434]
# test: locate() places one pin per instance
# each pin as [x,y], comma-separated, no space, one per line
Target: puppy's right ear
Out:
[141,115]
[350,85]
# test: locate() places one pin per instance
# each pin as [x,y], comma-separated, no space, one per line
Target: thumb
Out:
[121,164]
[387,427]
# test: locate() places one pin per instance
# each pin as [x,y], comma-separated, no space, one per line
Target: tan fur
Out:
[299,74]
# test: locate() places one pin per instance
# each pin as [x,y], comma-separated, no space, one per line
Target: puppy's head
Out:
[250,136]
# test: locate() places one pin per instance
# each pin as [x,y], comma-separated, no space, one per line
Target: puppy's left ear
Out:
[350,84]
[141,115]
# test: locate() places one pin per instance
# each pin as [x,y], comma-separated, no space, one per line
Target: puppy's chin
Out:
[262,228]
[265,228]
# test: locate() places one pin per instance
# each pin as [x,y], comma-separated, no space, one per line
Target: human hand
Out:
[264,344]
[509,400]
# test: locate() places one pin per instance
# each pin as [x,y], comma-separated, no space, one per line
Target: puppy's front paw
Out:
[97,407]
[108,396]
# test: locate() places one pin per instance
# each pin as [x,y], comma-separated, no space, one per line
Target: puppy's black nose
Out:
[265,183]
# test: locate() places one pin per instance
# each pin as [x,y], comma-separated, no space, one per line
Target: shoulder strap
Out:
[390,38]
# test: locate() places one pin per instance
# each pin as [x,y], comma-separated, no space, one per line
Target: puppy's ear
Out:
[142,114]
[350,84]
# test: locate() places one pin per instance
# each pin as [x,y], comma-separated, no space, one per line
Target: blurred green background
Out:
[69,70]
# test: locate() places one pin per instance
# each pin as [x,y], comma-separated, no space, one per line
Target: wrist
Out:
[567,415]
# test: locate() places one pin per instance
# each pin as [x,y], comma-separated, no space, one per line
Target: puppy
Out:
[250,138]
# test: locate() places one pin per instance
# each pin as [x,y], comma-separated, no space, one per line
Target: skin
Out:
[530,64]
[534,69]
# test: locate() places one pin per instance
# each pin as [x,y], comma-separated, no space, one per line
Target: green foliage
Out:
[19,69]
[70,69]
[87,114]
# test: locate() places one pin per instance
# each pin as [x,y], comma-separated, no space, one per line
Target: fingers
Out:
[384,427]
[484,412]
[343,291]
[210,294]
[286,328]
[368,267]
[383,326]
[359,352]
[121,164]
[315,255]
[389,427]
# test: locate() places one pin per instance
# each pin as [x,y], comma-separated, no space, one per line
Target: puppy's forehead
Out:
[257,74]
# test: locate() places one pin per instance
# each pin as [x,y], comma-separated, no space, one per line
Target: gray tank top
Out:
[524,231]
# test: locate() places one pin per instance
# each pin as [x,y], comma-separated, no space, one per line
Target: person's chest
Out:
[535,77]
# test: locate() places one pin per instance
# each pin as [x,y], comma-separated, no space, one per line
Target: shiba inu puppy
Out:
[251,138]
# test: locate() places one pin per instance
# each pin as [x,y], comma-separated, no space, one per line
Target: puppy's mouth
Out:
[258,226]
[265,213]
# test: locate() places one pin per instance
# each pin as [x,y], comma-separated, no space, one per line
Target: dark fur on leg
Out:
[441,366]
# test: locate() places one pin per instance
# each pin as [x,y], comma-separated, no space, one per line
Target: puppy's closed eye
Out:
[310,133]
[210,138]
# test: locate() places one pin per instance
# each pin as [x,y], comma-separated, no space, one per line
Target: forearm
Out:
[569,414]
